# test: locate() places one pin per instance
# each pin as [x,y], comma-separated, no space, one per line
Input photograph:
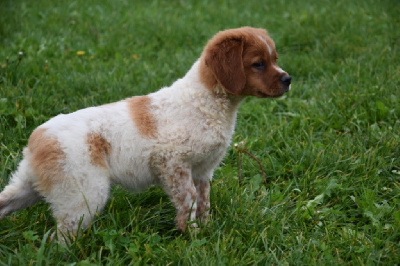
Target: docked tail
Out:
[19,193]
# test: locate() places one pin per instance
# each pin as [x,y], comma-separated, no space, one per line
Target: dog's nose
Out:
[286,80]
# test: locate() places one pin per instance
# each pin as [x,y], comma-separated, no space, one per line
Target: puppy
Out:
[174,137]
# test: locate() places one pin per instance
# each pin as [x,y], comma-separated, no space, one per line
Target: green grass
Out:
[330,148]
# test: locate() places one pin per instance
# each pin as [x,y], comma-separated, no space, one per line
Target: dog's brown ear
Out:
[225,61]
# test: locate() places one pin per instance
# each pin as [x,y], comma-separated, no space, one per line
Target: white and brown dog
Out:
[174,137]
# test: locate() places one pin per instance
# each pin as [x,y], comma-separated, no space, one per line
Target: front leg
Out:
[203,199]
[178,184]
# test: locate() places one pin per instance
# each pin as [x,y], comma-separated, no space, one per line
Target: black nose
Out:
[286,80]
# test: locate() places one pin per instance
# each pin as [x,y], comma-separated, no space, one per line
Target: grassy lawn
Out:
[330,148]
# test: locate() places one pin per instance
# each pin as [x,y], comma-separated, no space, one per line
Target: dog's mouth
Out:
[261,94]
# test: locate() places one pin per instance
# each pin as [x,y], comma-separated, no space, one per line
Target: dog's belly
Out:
[134,181]
[130,168]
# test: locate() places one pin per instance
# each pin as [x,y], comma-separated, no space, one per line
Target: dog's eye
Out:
[259,65]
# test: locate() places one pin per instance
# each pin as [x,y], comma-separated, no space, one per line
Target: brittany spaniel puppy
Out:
[174,137]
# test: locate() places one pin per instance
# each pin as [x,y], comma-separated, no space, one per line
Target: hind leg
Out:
[76,201]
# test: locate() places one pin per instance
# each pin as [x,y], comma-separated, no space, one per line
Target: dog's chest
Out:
[196,132]
[192,136]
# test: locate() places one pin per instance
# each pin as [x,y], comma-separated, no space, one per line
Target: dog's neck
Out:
[207,78]
[206,75]
[227,103]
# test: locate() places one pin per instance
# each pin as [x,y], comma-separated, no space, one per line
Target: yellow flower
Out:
[135,56]
[80,53]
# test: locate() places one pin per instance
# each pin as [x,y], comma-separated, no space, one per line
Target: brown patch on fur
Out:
[142,117]
[228,60]
[99,148]
[47,159]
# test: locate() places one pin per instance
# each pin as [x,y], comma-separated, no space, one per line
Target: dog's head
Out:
[244,62]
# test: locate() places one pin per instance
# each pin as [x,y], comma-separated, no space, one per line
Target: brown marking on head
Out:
[46,158]
[144,120]
[223,56]
[99,149]
[243,62]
